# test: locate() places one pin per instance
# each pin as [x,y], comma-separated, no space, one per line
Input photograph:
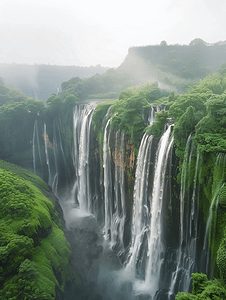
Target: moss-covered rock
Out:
[34,252]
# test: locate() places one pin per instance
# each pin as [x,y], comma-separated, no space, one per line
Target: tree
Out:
[197,42]
[163,43]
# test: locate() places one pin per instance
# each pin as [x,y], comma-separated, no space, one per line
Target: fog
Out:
[89,32]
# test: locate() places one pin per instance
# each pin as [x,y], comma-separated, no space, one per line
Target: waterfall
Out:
[141,214]
[147,246]
[151,117]
[189,222]
[77,200]
[107,181]
[154,266]
[84,196]
[155,243]
[59,159]
[36,137]
[80,192]
[114,187]
[119,209]
[46,142]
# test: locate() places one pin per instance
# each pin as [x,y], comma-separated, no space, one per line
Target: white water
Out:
[155,243]
[45,137]
[78,201]
[145,221]
[119,213]
[141,214]
[80,192]
[151,117]
[84,197]
[107,181]
[147,208]
[36,143]
[184,178]
[186,254]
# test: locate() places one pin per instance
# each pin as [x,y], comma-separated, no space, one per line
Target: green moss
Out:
[35,246]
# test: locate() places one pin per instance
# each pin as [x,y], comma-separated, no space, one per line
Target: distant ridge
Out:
[40,81]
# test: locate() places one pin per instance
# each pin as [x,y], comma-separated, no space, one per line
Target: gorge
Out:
[141,183]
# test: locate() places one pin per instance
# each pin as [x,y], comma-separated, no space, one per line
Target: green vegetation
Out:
[17,123]
[201,111]
[30,226]
[158,126]
[189,62]
[204,289]
[31,240]
[130,112]
[9,93]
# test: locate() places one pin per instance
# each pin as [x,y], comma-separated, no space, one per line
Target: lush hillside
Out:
[174,67]
[192,61]
[32,239]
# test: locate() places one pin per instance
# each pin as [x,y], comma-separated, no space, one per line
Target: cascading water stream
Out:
[151,117]
[84,196]
[119,214]
[107,181]
[59,156]
[140,219]
[184,178]
[189,222]
[46,141]
[82,118]
[145,222]
[36,137]
[155,243]
[76,138]
[77,202]
[114,187]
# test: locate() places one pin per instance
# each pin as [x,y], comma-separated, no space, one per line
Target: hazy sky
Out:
[91,32]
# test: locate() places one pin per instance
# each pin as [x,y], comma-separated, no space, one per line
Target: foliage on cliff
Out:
[129,113]
[202,110]
[17,121]
[204,289]
[157,128]
[10,93]
[31,240]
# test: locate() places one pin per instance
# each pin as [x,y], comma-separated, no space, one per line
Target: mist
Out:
[88,33]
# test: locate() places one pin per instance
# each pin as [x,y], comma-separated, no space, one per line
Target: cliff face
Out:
[101,182]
